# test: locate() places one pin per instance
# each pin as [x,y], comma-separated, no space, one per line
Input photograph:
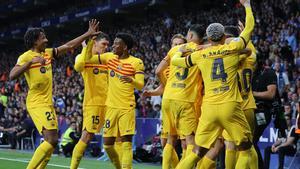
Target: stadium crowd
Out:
[276,37]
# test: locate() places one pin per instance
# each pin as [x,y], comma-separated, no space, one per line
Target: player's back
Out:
[182,83]
[219,65]
[245,72]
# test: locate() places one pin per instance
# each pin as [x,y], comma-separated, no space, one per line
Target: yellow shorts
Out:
[249,114]
[215,118]
[93,118]
[183,118]
[119,122]
[43,118]
[165,118]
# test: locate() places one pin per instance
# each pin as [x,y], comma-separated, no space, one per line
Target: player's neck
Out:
[36,50]
[124,55]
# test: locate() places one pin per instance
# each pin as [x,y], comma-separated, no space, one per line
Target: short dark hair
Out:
[232,31]
[127,38]
[102,36]
[180,36]
[198,29]
[31,36]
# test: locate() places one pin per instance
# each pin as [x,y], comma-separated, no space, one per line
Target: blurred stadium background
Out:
[152,22]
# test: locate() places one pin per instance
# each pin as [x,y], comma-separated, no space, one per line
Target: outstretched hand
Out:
[93,28]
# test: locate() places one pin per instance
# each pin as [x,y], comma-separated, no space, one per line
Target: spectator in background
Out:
[283,146]
[283,82]
[70,139]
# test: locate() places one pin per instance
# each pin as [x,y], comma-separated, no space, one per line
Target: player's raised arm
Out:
[249,25]
[85,55]
[93,30]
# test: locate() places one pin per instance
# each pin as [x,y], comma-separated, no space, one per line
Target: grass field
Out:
[12,159]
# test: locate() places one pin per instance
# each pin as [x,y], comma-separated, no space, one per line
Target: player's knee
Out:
[230,145]
[200,151]
[86,137]
[244,146]
[183,144]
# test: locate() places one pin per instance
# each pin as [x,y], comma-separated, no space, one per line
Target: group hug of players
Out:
[205,86]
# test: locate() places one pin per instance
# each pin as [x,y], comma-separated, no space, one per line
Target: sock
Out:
[127,159]
[39,155]
[44,163]
[167,156]
[207,163]
[175,159]
[77,154]
[188,162]
[244,159]
[189,149]
[113,155]
[230,159]
[118,148]
[254,159]
[183,154]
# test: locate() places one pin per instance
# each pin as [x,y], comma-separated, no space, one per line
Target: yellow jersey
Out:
[245,72]
[94,75]
[39,78]
[183,83]
[219,65]
[121,95]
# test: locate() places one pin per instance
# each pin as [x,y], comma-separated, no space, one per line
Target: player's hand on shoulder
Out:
[38,59]
[183,49]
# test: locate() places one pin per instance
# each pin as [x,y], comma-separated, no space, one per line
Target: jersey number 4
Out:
[218,71]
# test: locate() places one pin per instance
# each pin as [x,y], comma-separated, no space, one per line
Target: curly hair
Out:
[127,38]
[31,36]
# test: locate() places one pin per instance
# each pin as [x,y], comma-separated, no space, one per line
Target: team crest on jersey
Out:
[112,73]
[43,69]
[119,67]
[96,71]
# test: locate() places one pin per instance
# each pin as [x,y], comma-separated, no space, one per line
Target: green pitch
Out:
[12,159]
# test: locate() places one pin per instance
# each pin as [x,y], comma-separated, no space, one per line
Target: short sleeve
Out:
[22,60]
[50,53]
[193,59]
[271,78]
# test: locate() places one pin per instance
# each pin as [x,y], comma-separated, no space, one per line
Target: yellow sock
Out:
[183,154]
[188,162]
[127,159]
[175,159]
[44,163]
[77,154]
[207,163]
[113,155]
[167,156]
[39,155]
[230,159]
[118,148]
[244,159]
[254,159]
[189,149]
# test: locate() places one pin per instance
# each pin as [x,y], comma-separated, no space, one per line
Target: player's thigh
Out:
[233,120]
[93,118]
[167,120]
[43,118]
[126,122]
[110,127]
[209,129]
[186,119]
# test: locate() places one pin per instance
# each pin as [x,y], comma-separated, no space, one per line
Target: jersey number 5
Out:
[218,71]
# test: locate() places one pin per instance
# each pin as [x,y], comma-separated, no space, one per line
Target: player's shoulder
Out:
[135,59]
